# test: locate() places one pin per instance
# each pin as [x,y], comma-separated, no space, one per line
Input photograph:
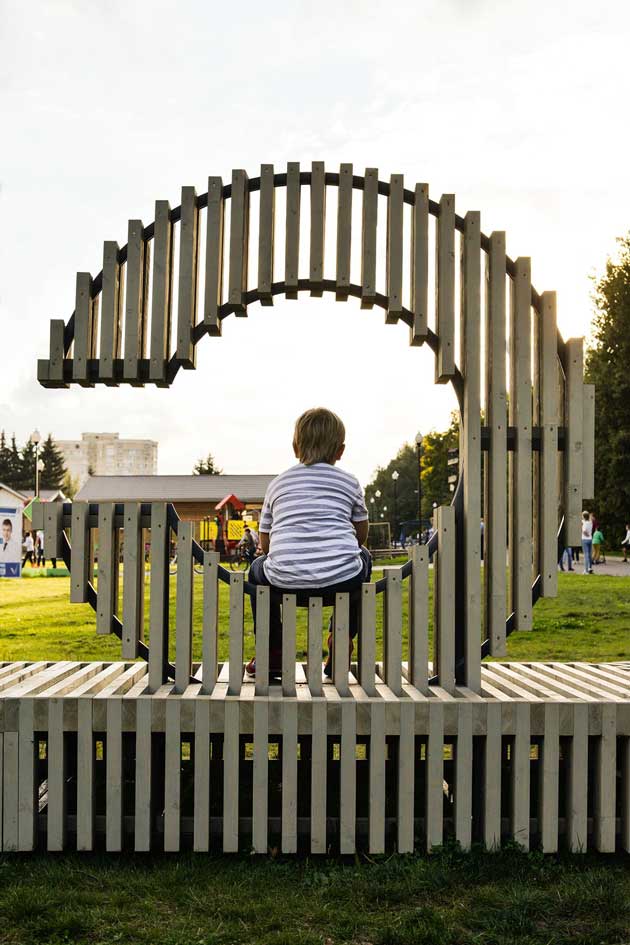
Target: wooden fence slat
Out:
[201,825]
[495,501]
[546,335]
[588,442]
[260,777]
[406,771]
[314,666]
[288,644]
[143,786]
[57,349]
[319,726]
[368,237]
[292,231]
[214,256]
[53,517]
[573,458]
[394,251]
[136,300]
[318,227]
[348,778]
[236,634]
[443,598]
[210,621]
[112,294]
[341,644]
[420,266]
[344,232]
[85,775]
[521,457]
[56,819]
[492,778]
[549,773]
[266,229]
[133,584]
[434,816]
[519,813]
[367,639]
[10,793]
[606,781]
[263,601]
[184,606]
[464,776]
[239,241]
[470,438]
[231,752]
[84,328]
[392,631]
[161,291]
[27,809]
[114,777]
[107,586]
[81,557]
[187,280]
[445,290]
[377,756]
[172,771]
[577,781]
[289,775]
[158,610]
[625,795]
[418,609]
[2,791]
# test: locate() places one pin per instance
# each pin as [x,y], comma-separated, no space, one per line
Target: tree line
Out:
[17,464]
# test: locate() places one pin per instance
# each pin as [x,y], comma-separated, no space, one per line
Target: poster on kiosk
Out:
[10,542]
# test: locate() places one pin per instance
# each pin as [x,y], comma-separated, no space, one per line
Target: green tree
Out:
[53,472]
[70,485]
[607,362]
[14,478]
[5,459]
[207,467]
[26,478]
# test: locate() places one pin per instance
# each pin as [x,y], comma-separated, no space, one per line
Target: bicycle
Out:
[239,560]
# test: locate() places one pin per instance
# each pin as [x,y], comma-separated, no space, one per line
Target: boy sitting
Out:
[312,528]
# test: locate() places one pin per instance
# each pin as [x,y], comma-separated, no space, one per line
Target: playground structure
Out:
[416,740]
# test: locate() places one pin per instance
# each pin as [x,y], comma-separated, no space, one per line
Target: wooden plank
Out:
[27,752]
[214,256]
[143,799]
[443,598]
[314,666]
[392,631]
[210,621]
[56,819]
[187,279]
[445,290]
[625,795]
[172,772]
[161,291]
[519,787]
[434,817]
[133,584]
[588,442]
[230,775]
[201,815]
[573,456]
[377,756]
[577,781]
[184,606]
[262,640]
[368,237]
[81,557]
[319,727]
[136,300]
[549,776]
[53,527]
[492,778]
[10,792]
[158,609]
[348,778]
[292,231]
[84,328]
[57,349]
[406,772]
[260,777]
[112,294]
[288,644]
[239,242]
[114,777]
[85,775]
[344,232]
[606,781]
[420,266]
[463,776]
[2,791]
[470,438]
[367,639]
[289,775]
[418,610]
[394,250]
[236,634]
[546,335]
[266,227]
[521,457]
[107,586]
[318,227]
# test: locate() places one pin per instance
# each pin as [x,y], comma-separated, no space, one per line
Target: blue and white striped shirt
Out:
[309,511]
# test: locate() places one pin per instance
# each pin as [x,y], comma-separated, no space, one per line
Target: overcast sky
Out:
[519,108]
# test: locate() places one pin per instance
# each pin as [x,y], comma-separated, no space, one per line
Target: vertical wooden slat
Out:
[162,291]
[10,792]
[172,771]
[367,639]
[348,778]
[230,774]
[368,238]
[588,442]
[548,408]
[111,305]
[605,781]
[56,819]
[53,517]
[114,777]
[158,611]
[314,668]
[577,781]
[464,776]
[57,349]
[143,800]
[377,757]
[28,809]
[344,232]
[394,251]
[549,774]
[318,227]
[341,644]
[107,587]
[420,266]
[519,813]
[406,770]
[495,502]
[445,290]
[136,300]
[470,437]
[260,778]
[187,282]
[201,825]
[318,774]
[133,584]
[292,231]
[392,631]
[574,422]
[418,610]
[262,640]
[289,775]
[443,598]
[266,234]
[184,606]
[2,791]
[492,778]
[434,815]
[239,241]
[84,328]
[210,632]
[85,775]
[288,644]
[521,457]
[625,795]
[80,561]
[214,256]
[236,634]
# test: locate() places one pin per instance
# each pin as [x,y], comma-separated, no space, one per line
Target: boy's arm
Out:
[264,542]
[361,531]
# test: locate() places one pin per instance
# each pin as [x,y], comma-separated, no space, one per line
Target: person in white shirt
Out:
[625,544]
[29,546]
[587,542]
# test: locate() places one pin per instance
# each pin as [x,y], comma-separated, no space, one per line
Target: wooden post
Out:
[158,611]
[341,644]
[344,232]
[549,772]
[420,266]
[368,238]
[445,290]
[236,634]
[588,442]
[57,349]
[314,646]
[214,256]
[239,242]
[443,598]
[262,644]
[546,335]
[107,587]
[133,583]
[162,291]
[367,639]
[418,610]
[81,558]
[84,329]
[187,288]
[394,252]
[292,231]
[266,239]
[573,457]
[392,632]
[184,606]
[111,305]
[318,227]
[136,300]
[210,631]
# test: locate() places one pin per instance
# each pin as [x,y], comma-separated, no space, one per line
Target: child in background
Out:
[598,541]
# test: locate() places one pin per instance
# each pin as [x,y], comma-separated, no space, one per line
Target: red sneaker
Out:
[275,667]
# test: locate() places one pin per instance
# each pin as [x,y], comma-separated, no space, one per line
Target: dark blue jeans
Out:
[257,576]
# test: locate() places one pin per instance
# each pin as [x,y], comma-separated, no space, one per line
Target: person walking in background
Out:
[587,542]
[39,549]
[598,541]
[625,544]
[29,545]
[568,554]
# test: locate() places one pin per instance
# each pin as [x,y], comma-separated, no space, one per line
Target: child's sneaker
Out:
[275,665]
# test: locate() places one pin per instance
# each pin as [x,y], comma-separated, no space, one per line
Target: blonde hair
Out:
[319,435]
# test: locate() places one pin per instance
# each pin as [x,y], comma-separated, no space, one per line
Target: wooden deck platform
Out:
[91,759]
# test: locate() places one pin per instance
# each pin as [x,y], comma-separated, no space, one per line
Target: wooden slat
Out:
[114,777]
[84,328]
[377,756]
[344,232]
[348,778]
[546,335]
[266,229]
[85,775]
[367,639]
[230,774]
[201,825]
[260,777]
[184,606]
[443,598]
[143,785]
[2,792]
[573,458]
[445,290]
[263,602]
[394,251]
[588,442]
[292,230]
[133,584]
[470,438]
[318,775]
[463,776]
[27,748]
[318,227]
[521,457]
[519,787]
[172,771]
[577,781]
[289,775]
[420,266]
[107,587]
[549,772]
[392,631]
[10,792]
[239,241]
[625,795]
[56,819]
[434,816]
[606,781]
[53,516]
[288,644]
[406,771]
[492,778]
[214,256]
[418,610]
[341,644]
[136,300]
[81,556]
[187,280]
[314,670]
[111,311]
[57,349]
[368,238]
[236,634]
[161,291]
[210,625]
[158,610]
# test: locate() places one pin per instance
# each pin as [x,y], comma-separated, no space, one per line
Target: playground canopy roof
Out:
[209,489]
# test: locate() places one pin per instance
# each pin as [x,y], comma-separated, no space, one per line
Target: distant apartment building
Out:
[105,454]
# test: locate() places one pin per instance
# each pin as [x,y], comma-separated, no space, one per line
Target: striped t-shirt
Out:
[309,511]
